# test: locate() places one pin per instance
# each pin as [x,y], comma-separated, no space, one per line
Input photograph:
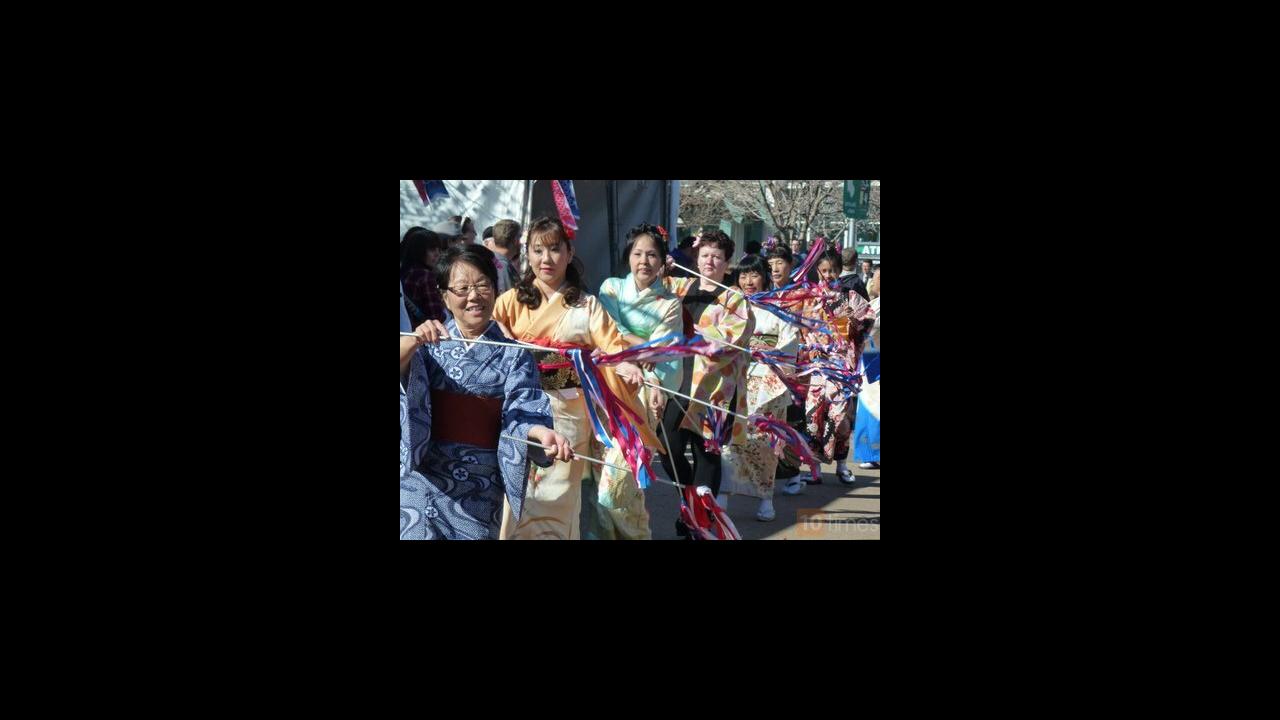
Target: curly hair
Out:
[718,239]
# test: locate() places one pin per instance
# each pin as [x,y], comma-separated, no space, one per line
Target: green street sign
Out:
[857,199]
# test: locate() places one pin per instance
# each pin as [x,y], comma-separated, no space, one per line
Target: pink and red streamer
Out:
[619,418]
[704,518]
[819,247]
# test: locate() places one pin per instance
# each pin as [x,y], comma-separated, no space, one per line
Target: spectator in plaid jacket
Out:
[419,251]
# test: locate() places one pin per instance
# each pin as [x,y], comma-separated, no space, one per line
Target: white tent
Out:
[484,201]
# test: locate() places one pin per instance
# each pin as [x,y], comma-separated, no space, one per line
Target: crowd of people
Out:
[492,377]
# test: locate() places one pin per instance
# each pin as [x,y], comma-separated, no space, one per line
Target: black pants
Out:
[706,466]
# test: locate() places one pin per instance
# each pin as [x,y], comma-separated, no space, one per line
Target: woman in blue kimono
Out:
[643,309]
[455,471]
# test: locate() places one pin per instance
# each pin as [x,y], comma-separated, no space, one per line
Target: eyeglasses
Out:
[465,290]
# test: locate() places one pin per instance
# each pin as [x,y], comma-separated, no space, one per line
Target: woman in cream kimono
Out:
[550,307]
[753,461]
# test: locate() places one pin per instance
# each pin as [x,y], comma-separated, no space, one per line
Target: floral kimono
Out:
[752,462]
[717,380]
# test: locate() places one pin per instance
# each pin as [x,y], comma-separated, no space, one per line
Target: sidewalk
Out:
[830,511]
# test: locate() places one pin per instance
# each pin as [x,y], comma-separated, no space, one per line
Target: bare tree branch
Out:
[790,206]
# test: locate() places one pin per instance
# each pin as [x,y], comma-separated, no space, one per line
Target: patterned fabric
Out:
[850,313]
[427,513]
[619,512]
[470,477]
[556,378]
[716,379]
[769,332]
[406,465]
[566,206]
[753,460]
[650,313]
[452,489]
[828,413]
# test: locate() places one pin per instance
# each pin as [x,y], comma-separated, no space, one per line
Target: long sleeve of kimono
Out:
[504,308]
[405,464]
[524,405]
[604,335]
[404,314]
[414,520]
[418,388]
[716,379]
[604,331]
[735,325]
[672,322]
[788,337]
[608,297]
[678,285]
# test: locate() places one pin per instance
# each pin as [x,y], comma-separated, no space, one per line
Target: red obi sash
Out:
[467,419]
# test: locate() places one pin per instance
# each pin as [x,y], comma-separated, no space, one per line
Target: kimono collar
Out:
[656,289]
[552,297]
[452,326]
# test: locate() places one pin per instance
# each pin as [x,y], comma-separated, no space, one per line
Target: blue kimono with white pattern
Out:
[454,491]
